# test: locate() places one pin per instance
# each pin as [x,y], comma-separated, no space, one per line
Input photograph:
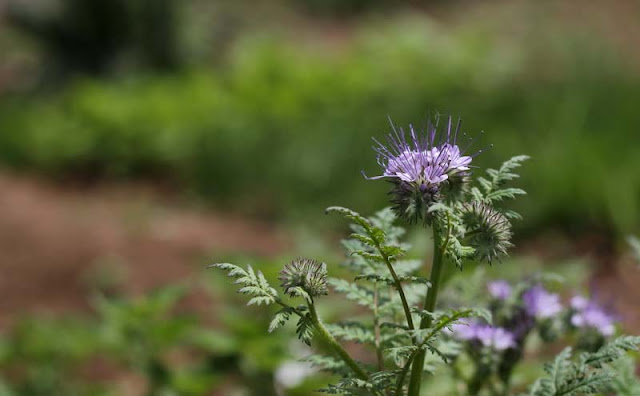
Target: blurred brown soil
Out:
[56,240]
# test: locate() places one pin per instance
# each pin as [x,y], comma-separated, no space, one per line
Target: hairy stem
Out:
[376,327]
[331,342]
[397,285]
[403,374]
[429,305]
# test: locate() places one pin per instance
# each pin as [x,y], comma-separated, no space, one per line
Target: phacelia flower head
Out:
[307,274]
[541,304]
[588,314]
[499,289]
[418,167]
[488,229]
[492,337]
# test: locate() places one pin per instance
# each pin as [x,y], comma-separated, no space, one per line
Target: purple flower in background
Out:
[499,289]
[579,303]
[541,304]
[492,337]
[498,339]
[590,314]
[465,330]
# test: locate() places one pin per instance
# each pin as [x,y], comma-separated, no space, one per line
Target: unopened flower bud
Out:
[308,274]
[488,229]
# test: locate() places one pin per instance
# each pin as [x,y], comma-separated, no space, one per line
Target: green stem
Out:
[331,342]
[429,305]
[403,375]
[398,286]
[405,369]
[376,328]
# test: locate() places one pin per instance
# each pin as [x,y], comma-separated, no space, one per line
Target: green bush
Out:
[280,128]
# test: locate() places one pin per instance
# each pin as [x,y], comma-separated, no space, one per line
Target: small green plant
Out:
[39,357]
[70,356]
[139,332]
[432,185]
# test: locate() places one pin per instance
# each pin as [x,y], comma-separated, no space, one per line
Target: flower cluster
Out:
[418,167]
[541,304]
[519,311]
[496,338]
[588,314]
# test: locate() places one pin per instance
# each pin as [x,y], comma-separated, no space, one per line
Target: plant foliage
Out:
[588,374]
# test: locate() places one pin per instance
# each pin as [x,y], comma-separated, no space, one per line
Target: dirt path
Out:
[53,238]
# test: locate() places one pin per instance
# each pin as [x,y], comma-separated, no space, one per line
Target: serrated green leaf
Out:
[252,283]
[352,331]
[351,215]
[304,329]
[280,318]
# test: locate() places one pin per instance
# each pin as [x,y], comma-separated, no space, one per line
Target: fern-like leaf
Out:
[328,364]
[280,318]
[353,292]
[351,215]
[304,329]
[252,283]
[493,189]
[589,374]
[352,331]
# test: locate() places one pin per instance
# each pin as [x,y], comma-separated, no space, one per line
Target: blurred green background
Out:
[241,120]
[274,109]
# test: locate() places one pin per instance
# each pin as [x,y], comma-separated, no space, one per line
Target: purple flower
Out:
[465,330]
[541,304]
[421,161]
[498,339]
[499,289]
[579,303]
[457,161]
[588,314]
[420,166]
[492,337]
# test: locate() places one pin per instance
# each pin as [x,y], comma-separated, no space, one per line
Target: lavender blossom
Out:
[579,303]
[499,289]
[498,339]
[422,161]
[541,304]
[418,167]
[588,314]
[465,330]
[492,337]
